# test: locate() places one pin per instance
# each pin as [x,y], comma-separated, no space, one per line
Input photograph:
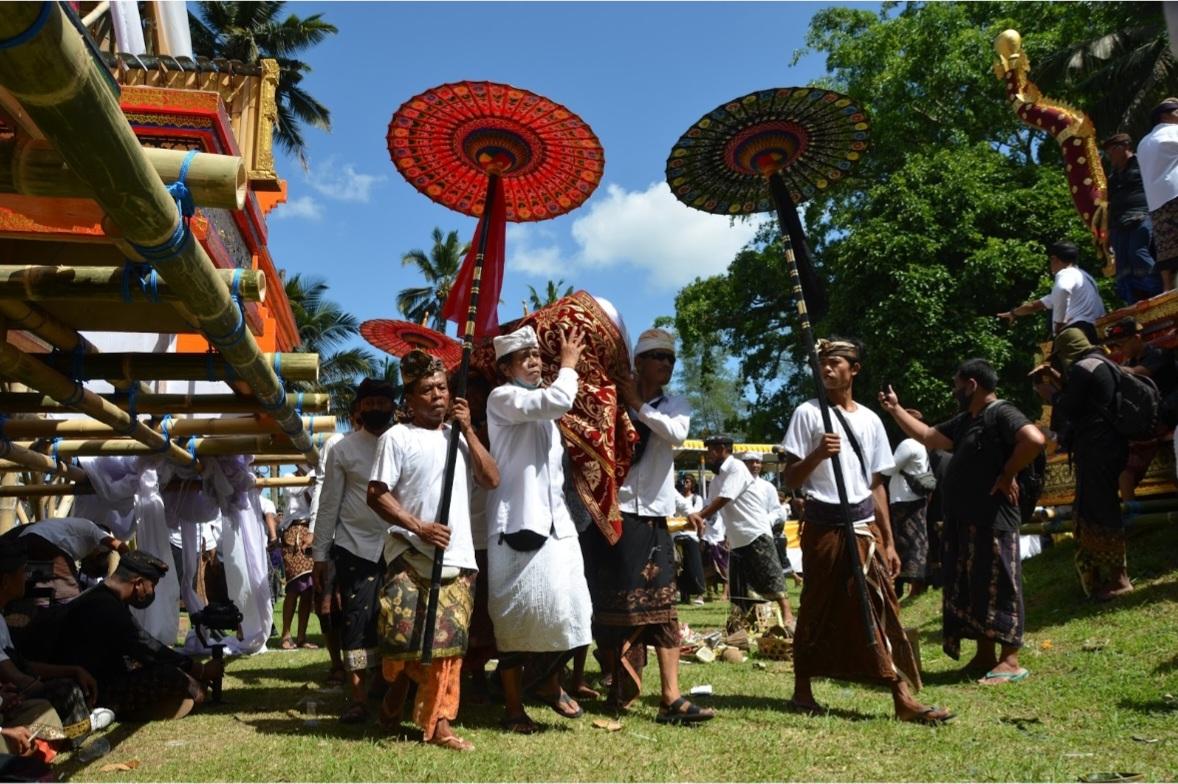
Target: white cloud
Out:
[342,183]
[531,250]
[303,207]
[653,231]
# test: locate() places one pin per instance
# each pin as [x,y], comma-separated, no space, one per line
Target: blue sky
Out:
[639,73]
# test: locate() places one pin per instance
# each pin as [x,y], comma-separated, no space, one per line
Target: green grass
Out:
[1098,699]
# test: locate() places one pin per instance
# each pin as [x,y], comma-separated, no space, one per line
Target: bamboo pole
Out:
[107,284]
[66,92]
[29,371]
[204,447]
[33,167]
[203,426]
[8,505]
[37,403]
[38,462]
[61,489]
[203,366]
[285,481]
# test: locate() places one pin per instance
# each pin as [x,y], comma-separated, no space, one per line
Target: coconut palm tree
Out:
[551,294]
[440,268]
[325,329]
[250,31]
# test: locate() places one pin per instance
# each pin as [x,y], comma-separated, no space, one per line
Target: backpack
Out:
[1136,400]
[1031,478]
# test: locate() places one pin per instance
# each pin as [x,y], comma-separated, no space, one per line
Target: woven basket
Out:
[777,648]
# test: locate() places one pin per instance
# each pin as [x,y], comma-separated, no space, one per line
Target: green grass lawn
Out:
[1102,696]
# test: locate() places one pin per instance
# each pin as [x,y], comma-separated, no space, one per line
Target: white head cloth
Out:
[524,337]
[752,456]
[654,340]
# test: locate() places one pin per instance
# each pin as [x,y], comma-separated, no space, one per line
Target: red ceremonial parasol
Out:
[400,337]
[769,151]
[499,153]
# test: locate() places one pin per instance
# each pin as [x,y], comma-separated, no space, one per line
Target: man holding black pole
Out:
[830,640]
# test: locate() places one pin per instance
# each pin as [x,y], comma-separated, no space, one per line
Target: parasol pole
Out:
[435,582]
[783,202]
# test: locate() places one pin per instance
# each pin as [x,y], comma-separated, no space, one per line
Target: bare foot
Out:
[286,644]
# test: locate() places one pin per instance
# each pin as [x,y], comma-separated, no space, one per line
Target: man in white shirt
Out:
[749,507]
[907,508]
[1157,154]
[632,580]
[830,640]
[537,595]
[350,536]
[1074,300]
[406,490]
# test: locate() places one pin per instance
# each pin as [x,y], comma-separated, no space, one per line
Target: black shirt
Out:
[978,459]
[1126,195]
[1083,407]
[98,633]
[1159,363]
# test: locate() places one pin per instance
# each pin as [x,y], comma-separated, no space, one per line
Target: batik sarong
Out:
[1100,526]
[403,601]
[296,555]
[910,532]
[983,591]
[755,568]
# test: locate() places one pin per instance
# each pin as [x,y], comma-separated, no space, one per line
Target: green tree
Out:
[943,225]
[439,269]
[552,293]
[712,388]
[325,329]
[251,31]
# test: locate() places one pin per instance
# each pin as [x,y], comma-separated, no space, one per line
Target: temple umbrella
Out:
[501,154]
[767,152]
[400,337]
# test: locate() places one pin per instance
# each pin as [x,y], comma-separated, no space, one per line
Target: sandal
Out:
[932,716]
[683,711]
[806,708]
[452,742]
[519,725]
[354,714]
[563,706]
[1004,677]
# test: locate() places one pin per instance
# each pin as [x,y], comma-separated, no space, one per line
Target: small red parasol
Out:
[400,337]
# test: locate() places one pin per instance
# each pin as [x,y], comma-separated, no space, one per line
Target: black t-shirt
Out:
[1126,194]
[1082,408]
[1160,364]
[979,455]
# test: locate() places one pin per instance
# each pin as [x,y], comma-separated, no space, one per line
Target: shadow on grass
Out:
[252,671]
[1151,706]
[65,771]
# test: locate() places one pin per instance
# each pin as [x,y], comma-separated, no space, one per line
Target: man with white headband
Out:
[633,580]
[536,592]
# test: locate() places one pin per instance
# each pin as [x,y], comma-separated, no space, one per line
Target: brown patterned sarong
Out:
[983,587]
[401,621]
[1165,233]
[830,641]
[598,434]
[296,550]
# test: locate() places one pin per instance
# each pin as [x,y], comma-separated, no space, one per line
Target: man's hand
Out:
[572,343]
[87,684]
[628,391]
[830,446]
[892,560]
[319,575]
[1007,486]
[18,740]
[460,411]
[888,400]
[1009,315]
[436,534]
[696,520]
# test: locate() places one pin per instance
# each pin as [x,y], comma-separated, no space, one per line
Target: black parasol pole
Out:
[783,202]
[459,390]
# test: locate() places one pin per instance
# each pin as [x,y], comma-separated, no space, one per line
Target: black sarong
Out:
[983,591]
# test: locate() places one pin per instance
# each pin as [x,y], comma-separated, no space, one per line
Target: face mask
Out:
[376,420]
[142,602]
[524,384]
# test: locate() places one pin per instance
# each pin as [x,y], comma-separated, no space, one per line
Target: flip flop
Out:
[561,706]
[813,709]
[519,725]
[452,742]
[1005,677]
[683,711]
[928,717]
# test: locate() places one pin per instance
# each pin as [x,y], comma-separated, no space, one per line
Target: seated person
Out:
[61,543]
[70,690]
[98,633]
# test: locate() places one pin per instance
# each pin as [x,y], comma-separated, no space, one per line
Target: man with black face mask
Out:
[352,536]
[99,634]
[991,442]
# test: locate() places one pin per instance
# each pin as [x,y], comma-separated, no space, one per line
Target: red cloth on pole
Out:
[491,281]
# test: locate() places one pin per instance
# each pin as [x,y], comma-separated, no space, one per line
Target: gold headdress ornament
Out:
[417,365]
[837,348]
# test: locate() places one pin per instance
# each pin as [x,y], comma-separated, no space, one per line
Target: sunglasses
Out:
[660,356]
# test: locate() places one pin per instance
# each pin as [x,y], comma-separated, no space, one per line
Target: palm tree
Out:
[551,294]
[1129,70]
[250,31]
[440,268]
[324,329]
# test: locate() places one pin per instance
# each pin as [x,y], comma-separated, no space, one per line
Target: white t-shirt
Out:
[77,537]
[747,514]
[649,486]
[527,447]
[685,505]
[805,434]
[298,501]
[267,505]
[1074,297]
[910,458]
[344,517]
[1157,154]
[411,462]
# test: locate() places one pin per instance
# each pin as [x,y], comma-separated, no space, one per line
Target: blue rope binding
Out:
[31,32]
[165,432]
[192,449]
[237,334]
[185,207]
[146,278]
